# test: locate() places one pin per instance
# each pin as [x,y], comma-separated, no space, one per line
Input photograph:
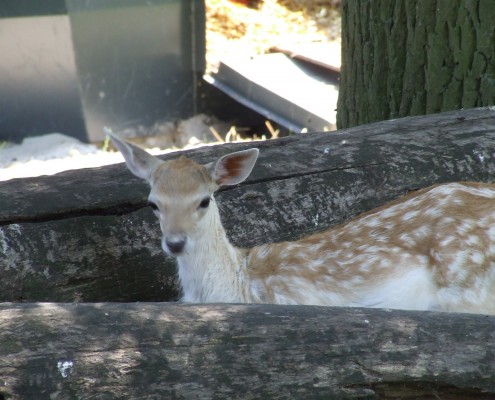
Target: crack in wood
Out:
[127,208]
[425,390]
[280,178]
[116,210]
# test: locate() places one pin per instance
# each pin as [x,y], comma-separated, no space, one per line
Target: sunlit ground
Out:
[247,26]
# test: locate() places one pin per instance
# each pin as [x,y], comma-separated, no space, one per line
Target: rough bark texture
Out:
[166,351]
[89,236]
[404,57]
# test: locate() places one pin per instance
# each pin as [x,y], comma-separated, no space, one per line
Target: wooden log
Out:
[168,351]
[87,235]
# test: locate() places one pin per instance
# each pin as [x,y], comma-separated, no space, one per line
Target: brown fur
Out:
[431,249]
[330,246]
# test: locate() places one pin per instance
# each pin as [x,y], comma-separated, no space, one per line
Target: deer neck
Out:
[213,270]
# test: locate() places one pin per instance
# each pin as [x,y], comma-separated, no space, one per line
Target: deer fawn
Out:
[433,249]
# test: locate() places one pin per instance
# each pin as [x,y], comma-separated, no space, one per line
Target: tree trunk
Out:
[165,351]
[88,235]
[405,57]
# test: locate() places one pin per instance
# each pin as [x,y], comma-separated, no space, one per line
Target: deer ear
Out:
[233,168]
[139,162]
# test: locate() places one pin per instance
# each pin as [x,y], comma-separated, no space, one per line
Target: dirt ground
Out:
[256,26]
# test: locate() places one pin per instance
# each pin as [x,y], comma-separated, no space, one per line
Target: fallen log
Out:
[169,351]
[88,235]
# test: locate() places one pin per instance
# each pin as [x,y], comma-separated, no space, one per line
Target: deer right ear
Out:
[233,168]
[139,162]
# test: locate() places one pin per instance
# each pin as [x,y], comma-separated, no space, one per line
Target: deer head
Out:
[182,191]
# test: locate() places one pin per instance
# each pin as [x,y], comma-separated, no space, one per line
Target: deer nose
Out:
[175,245]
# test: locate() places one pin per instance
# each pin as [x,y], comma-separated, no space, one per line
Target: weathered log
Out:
[167,351]
[88,236]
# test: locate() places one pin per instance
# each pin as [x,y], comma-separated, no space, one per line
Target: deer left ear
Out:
[233,168]
[138,161]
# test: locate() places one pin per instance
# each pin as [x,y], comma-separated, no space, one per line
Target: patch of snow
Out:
[55,152]
[50,154]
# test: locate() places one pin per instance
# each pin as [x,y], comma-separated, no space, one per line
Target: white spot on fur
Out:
[447,241]
[410,215]
[477,258]
[388,213]
[315,264]
[421,232]
[473,240]
[373,222]
[433,212]
[406,238]
[466,226]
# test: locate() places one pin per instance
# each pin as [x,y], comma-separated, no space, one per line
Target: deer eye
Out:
[153,206]
[204,203]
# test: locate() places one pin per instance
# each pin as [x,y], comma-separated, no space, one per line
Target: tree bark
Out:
[404,57]
[88,235]
[165,351]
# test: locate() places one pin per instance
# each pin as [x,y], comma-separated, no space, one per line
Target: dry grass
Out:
[234,28]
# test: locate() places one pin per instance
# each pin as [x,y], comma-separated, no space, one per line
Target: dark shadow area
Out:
[152,350]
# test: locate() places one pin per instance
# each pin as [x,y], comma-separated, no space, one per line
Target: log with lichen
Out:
[88,235]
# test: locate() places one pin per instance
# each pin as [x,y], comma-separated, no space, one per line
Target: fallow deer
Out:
[433,249]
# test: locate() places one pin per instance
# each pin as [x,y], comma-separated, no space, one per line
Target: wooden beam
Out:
[87,235]
[169,351]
